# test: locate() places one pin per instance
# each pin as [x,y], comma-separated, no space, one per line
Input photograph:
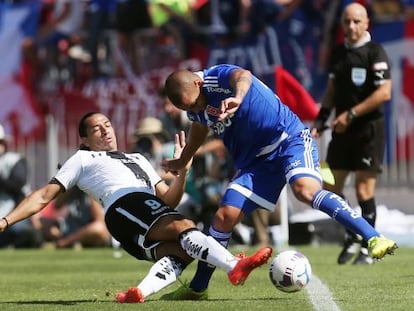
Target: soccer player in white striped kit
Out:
[138,209]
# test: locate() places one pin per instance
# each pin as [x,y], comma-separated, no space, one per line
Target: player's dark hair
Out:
[82,123]
[82,127]
[174,85]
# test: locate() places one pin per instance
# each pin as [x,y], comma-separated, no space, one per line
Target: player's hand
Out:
[179,144]
[228,107]
[175,165]
[317,130]
[315,133]
[172,166]
[3,225]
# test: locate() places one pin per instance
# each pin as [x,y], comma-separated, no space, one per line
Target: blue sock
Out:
[339,209]
[204,270]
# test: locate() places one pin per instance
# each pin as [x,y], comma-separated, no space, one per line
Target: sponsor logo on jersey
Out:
[211,89]
[380,66]
[358,75]
[210,84]
[213,111]
[127,161]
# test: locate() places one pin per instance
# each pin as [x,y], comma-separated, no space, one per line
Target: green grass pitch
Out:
[88,279]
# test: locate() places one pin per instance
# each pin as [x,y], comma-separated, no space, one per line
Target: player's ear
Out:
[85,141]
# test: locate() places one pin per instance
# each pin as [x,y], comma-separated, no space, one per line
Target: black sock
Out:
[369,213]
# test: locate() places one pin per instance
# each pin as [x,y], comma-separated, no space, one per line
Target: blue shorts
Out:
[260,184]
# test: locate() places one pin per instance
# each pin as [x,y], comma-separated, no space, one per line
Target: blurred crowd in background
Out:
[68,40]
[76,42]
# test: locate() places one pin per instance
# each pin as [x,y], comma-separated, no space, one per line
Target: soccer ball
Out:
[290,271]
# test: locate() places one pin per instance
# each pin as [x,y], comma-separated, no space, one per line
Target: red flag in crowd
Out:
[294,95]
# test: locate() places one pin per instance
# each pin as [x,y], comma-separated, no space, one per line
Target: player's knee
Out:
[173,249]
[304,196]
[183,225]
[305,189]
[226,218]
[187,223]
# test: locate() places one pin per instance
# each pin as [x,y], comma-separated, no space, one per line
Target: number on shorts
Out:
[153,204]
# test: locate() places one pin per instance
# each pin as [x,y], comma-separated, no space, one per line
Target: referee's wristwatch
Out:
[351,115]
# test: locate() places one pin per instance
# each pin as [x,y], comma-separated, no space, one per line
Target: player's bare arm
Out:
[172,194]
[31,205]
[240,80]
[196,137]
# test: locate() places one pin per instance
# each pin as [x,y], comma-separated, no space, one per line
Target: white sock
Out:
[222,237]
[162,273]
[205,248]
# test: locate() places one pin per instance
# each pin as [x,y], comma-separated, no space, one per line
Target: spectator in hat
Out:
[152,141]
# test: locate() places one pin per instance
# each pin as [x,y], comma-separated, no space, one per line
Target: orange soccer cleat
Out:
[241,271]
[132,295]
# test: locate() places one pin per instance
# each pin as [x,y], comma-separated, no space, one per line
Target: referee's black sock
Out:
[369,213]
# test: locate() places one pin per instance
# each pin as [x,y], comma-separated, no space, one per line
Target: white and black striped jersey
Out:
[107,176]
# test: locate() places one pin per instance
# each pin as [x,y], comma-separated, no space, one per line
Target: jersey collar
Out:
[364,40]
[200,74]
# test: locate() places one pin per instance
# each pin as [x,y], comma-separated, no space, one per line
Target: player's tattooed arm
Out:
[240,80]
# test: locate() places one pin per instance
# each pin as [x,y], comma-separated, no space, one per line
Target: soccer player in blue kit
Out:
[270,147]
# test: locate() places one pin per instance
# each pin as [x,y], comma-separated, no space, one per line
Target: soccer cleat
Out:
[184,292]
[132,295]
[350,248]
[363,258]
[245,265]
[379,246]
[240,255]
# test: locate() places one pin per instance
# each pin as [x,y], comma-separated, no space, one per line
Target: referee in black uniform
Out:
[359,85]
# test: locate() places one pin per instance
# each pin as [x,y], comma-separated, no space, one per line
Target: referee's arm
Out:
[374,101]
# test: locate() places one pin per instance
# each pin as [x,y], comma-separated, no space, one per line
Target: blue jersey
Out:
[257,128]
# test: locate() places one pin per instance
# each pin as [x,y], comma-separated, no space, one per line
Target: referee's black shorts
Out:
[361,149]
[130,218]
